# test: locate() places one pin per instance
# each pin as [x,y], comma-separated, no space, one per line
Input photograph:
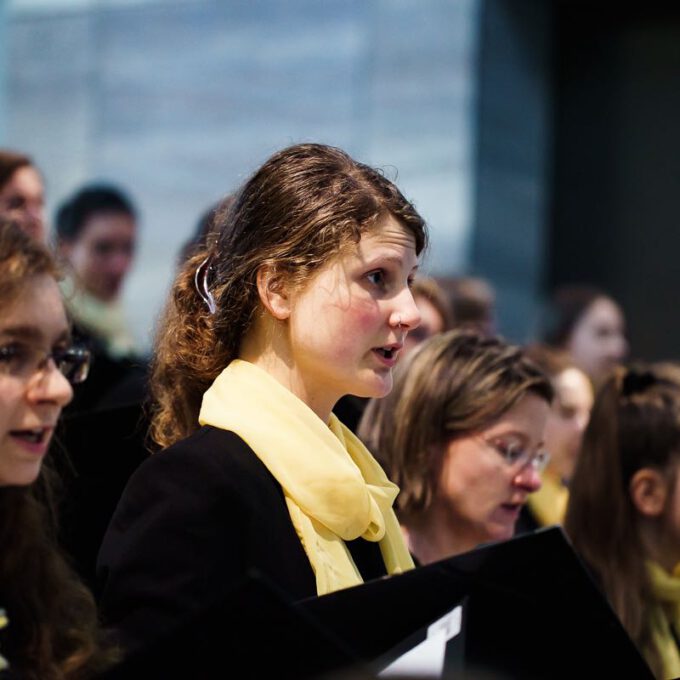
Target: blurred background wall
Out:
[179,100]
[539,139]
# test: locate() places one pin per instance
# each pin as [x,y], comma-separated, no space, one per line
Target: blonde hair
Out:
[454,384]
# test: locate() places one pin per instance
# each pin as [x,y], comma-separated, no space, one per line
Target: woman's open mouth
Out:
[388,354]
[35,439]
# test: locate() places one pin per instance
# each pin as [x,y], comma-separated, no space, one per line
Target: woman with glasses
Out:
[461,434]
[624,506]
[48,619]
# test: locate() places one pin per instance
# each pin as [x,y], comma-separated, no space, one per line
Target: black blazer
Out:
[191,522]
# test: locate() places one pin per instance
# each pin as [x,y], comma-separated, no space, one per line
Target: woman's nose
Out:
[528,478]
[51,386]
[405,313]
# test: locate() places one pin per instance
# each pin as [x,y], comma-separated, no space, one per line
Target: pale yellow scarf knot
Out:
[335,491]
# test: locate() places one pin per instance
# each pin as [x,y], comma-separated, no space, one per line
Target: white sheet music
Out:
[426,660]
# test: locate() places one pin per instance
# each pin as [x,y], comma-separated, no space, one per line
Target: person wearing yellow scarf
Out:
[334,489]
[302,297]
[548,505]
[3,623]
[665,617]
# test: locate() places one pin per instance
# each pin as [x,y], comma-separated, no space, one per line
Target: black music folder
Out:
[529,609]
[522,609]
[254,632]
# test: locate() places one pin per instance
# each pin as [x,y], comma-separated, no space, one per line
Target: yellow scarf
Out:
[549,503]
[105,319]
[334,489]
[666,591]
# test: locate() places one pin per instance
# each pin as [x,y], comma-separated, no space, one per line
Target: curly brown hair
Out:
[53,632]
[301,208]
[453,385]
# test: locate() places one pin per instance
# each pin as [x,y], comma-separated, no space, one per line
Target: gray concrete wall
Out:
[513,170]
[178,100]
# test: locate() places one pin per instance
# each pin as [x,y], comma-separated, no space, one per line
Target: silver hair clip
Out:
[201,283]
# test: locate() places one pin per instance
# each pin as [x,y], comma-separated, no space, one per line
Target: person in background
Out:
[473,302]
[303,298]
[624,507]
[564,429]
[50,620]
[461,433]
[96,236]
[22,194]
[205,229]
[589,325]
[435,313]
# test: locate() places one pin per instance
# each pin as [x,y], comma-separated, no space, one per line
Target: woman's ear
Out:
[273,292]
[649,490]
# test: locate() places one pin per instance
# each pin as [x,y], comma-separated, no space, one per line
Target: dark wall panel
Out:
[616,207]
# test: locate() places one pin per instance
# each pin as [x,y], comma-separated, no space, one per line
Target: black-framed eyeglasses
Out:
[21,360]
[516,456]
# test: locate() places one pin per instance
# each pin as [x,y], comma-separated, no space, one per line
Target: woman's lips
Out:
[34,440]
[388,354]
[512,510]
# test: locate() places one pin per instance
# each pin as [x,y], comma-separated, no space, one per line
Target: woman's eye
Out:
[13,355]
[511,451]
[377,278]
[8,352]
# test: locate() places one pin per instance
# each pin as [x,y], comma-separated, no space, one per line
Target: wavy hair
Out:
[301,208]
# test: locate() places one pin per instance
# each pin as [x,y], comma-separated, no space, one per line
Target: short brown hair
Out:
[299,210]
[10,162]
[454,384]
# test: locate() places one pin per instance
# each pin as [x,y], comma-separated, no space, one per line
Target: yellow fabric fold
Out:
[105,319]
[335,491]
[549,504]
[666,613]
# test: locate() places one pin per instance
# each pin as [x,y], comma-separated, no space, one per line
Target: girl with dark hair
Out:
[624,508]
[22,195]
[51,631]
[461,433]
[589,325]
[304,297]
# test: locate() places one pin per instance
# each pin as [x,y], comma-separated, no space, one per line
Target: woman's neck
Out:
[264,349]
[430,541]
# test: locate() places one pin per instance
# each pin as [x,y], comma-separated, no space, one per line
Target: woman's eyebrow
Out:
[514,432]
[31,333]
[22,332]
